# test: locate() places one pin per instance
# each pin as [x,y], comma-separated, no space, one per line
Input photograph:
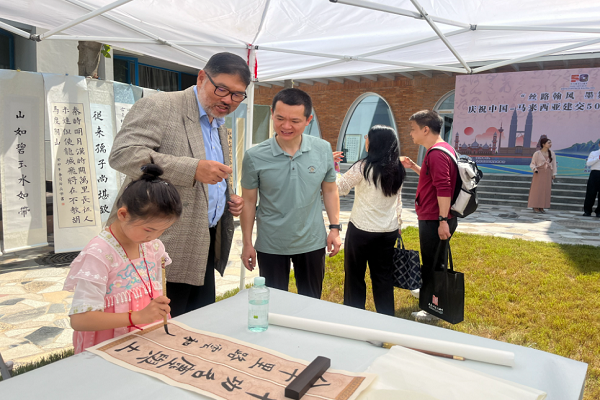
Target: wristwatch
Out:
[440,218]
[338,226]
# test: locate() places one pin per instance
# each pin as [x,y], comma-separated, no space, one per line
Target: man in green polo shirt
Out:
[290,171]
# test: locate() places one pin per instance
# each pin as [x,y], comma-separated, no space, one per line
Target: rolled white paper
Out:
[469,352]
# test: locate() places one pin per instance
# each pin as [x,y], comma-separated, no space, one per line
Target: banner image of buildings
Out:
[499,119]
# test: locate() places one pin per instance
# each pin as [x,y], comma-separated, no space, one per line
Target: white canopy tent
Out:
[320,38]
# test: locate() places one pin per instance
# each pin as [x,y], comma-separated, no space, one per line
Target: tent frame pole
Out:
[83,18]
[14,30]
[437,30]
[399,11]
[248,134]
[536,55]
[534,29]
[372,53]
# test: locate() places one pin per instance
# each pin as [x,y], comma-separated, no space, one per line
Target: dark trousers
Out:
[309,269]
[592,191]
[186,298]
[376,249]
[430,240]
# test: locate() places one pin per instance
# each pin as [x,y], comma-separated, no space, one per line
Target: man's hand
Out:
[407,162]
[236,205]
[249,257]
[444,230]
[334,242]
[211,172]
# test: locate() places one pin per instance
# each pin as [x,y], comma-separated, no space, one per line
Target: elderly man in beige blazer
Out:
[183,132]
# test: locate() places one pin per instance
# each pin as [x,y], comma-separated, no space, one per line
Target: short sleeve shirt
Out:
[289,217]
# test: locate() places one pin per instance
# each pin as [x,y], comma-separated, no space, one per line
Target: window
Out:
[7,50]
[128,70]
[367,110]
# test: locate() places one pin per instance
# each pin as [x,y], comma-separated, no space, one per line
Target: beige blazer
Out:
[165,129]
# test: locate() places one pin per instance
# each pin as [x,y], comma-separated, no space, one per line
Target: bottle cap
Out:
[259,281]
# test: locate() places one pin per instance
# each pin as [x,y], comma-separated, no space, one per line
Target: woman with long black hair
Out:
[375,219]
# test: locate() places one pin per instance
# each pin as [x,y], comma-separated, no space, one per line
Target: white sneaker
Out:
[424,316]
[415,293]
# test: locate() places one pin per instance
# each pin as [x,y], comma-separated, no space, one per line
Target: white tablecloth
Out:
[91,377]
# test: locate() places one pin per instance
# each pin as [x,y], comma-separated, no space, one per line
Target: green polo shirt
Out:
[289,217]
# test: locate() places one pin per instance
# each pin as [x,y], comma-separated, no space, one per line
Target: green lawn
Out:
[540,295]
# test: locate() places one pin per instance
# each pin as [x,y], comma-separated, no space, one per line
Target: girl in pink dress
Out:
[117,277]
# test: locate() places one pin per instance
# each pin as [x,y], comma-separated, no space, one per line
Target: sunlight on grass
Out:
[533,294]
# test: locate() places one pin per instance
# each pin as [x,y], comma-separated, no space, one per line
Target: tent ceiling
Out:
[312,39]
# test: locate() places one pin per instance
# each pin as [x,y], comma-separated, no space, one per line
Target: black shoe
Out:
[586,215]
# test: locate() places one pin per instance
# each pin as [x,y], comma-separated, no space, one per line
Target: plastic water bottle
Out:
[258,306]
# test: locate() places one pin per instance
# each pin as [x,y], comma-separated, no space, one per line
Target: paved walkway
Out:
[33,308]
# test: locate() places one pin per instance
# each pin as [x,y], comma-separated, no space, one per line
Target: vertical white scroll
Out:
[124,100]
[76,208]
[22,160]
[103,131]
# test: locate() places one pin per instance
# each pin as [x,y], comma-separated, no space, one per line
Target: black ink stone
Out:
[299,386]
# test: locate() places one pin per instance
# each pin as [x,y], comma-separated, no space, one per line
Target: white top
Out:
[372,211]
[593,160]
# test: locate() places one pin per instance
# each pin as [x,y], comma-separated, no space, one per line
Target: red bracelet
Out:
[131,322]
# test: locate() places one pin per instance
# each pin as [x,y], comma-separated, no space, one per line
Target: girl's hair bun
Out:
[151,172]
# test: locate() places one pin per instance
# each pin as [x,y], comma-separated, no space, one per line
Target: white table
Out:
[91,377]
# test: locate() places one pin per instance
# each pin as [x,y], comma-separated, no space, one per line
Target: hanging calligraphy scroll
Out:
[76,209]
[124,100]
[221,367]
[22,160]
[103,132]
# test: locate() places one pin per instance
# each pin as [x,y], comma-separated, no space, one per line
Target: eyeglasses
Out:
[224,92]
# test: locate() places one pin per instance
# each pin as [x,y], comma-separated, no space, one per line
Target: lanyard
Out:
[149,291]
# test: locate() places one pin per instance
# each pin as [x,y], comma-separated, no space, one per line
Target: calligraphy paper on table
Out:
[221,367]
[22,160]
[76,211]
[103,132]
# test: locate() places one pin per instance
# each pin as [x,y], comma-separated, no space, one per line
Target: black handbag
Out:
[407,267]
[443,292]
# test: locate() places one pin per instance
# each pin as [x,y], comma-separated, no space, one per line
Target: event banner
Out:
[103,132]
[221,367]
[76,208]
[22,160]
[499,119]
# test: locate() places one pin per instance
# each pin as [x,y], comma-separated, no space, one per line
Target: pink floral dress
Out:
[104,280]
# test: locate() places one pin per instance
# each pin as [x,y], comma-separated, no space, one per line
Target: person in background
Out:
[437,180]
[117,277]
[289,172]
[543,165]
[593,184]
[375,221]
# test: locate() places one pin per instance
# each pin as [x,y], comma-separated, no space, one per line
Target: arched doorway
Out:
[368,109]
[444,107]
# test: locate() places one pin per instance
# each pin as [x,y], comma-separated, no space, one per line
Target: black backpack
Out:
[464,200]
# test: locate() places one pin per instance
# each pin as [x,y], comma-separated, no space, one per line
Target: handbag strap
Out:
[442,247]
[400,242]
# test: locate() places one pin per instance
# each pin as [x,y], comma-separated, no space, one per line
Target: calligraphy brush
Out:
[431,353]
[164,285]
